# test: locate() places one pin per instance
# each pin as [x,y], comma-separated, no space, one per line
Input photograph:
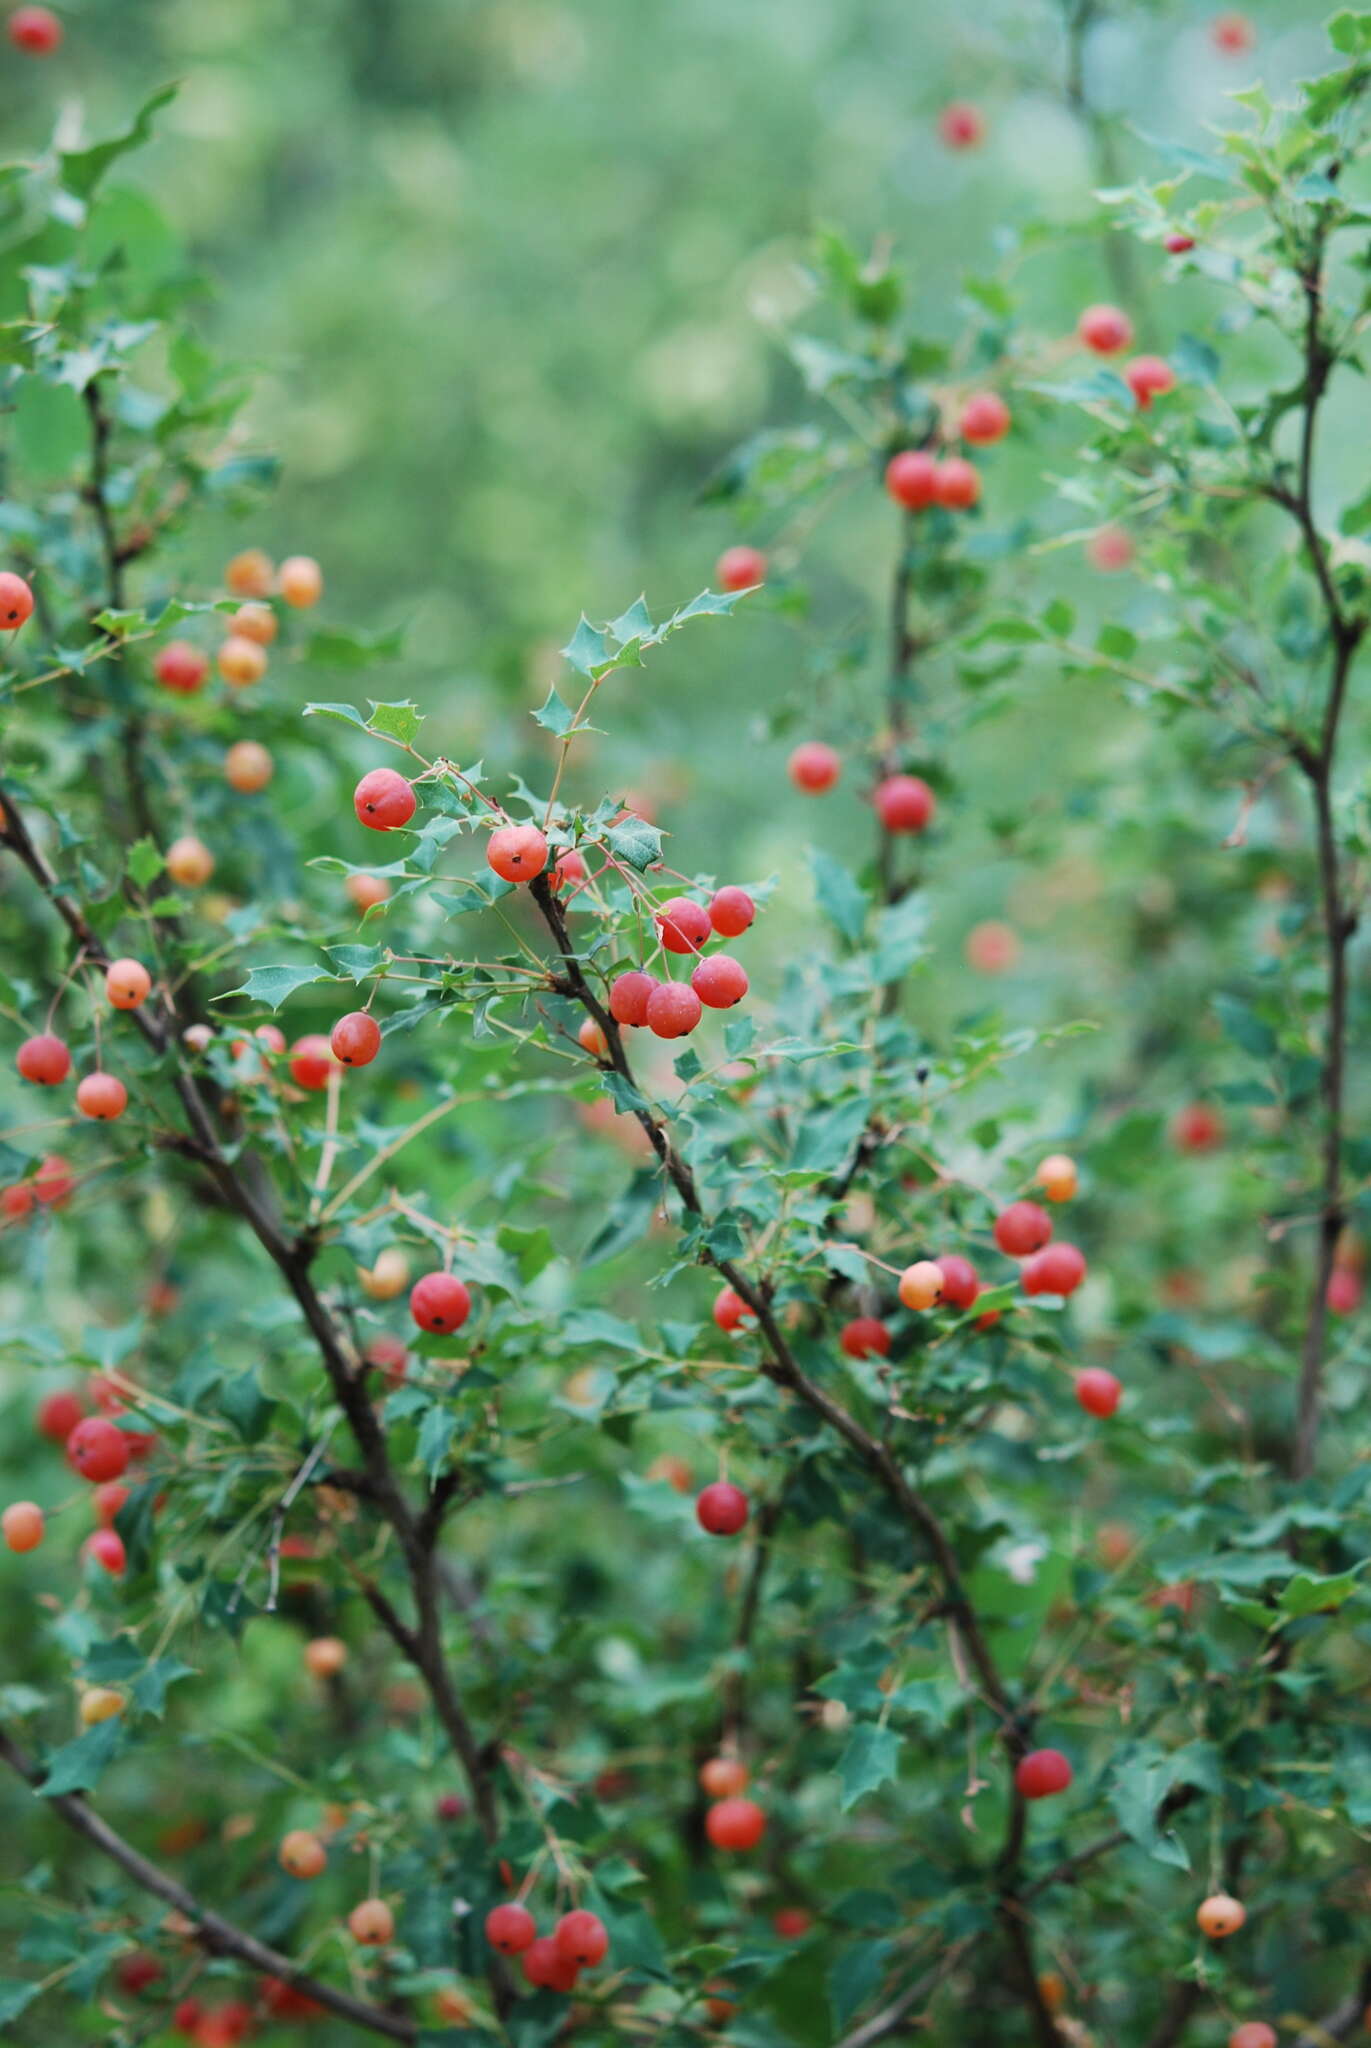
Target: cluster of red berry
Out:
[551,1962]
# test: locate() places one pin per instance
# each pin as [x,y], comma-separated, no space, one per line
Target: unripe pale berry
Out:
[1042,1773]
[35,30]
[731,911]
[43,1059]
[814,767]
[684,926]
[255,622]
[1253,2034]
[325,1656]
[197,1038]
[719,982]
[628,994]
[985,418]
[300,581]
[921,1285]
[1057,1177]
[961,125]
[1147,377]
[1057,1269]
[866,1337]
[672,1010]
[961,1282]
[904,803]
[582,1939]
[181,667]
[721,1509]
[22,1525]
[372,1923]
[384,800]
[106,1546]
[388,1277]
[311,1061]
[189,862]
[127,984]
[439,1303]
[1110,549]
[241,662]
[730,1311]
[100,1703]
[248,767]
[250,574]
[355,1039]
[1220,1916]
[1105,329]
[957,484]
[735,1824]
[1022,1228]
[592,1039]
[510,1928]
[911,479]
[517,853]
[740,568]
[366,891]
[102,1097]
[97,1450]
[1098,1392]
[544,1966]
[302,1854]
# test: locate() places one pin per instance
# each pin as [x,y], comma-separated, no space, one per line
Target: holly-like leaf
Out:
[275,985]
[871,1758]
[555,716]
[143,862]
[398,721]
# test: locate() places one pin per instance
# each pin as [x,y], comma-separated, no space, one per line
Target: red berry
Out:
[673,1010]
[1147,377]
[1233,34]
[730,1310]
[109,1499]
[1344,1291]
[904,803]
[814,767]
[1105,329]
[106,1546]
[961,1283]
[389,1356]
[181,667]
[44,1059]
[721,1509]
[96,1450]
[58,1415]
[911,479]
[102,1097]
[985,418]
[735,1824]
[127,984]
[628,996]
[187,2016]
[684,926]
[1110,549]
[1098,1392]
[517,853]
[792,1923]
[37,31]
[581,1939]
[988,1320]
[384,800]
[54,1182]
[137,1971]
[439,1302]
[1057,1269]
[1178,245]
[1022,1228]
[961,125]
[1196,1128]
[452,1806]
[545,1965]
[355,1039]
[719,982]
[740,568]
[16,599]
[957,484]
[731,911]
[865,1337]
[1041,1773]
[511,1928]
[568,870]
[311,1061]
[1253,2034]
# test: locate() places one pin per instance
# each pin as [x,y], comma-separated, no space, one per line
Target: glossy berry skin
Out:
[127,984]
[735,1824]
[985,418]
[921,1285]
[372,1923]
[241,662]
[1110,550]
[302,1854]
[961,1282]
[684,926]
[957,484]
[731,911]
[510,1928]
[96,1450]
[1220,1916]
[16,599]
[740,568]
[355,1039]
[904,803]
[43,1059]
[1042,1773]
[723,1777]
[439,1303]
[106,1546]
[1105,329]
[719,982]
[517,853]
[721,1509]
[1098,1392]
[102,1097]
[911,479]
[1148,377]
[865,1337]
[582,1939]
[311,1061]
[1253,2034]
[181,667]
[730,1310]
[1057,1177]
[628,994]
[814,767]
[545,1966]
[961,125]
[384,800]
[300,581]
[1178,244]
[1022,1228]
[248,767]
[673,1010]
[1056,1269]
[22,1525]
[58,1415]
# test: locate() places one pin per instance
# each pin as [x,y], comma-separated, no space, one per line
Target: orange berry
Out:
[366,891]
[724,1777]
[248,767]
[127,984]
[22,1525]
[326,1656]
[255,622]
[250,574]
[1057,1177]
[302,1854]
[189,862]
[99,1703]
[921,1285]
[300,582]
[241,661]
[372,1923]
[1220,1916]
